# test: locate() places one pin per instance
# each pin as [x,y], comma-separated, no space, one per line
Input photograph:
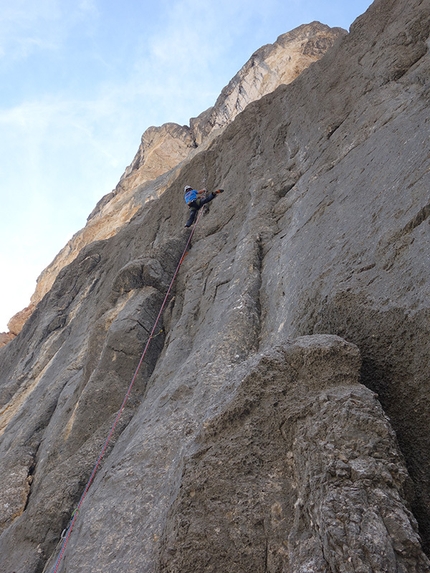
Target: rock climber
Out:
[196,199]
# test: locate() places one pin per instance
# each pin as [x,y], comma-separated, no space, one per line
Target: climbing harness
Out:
[65,535]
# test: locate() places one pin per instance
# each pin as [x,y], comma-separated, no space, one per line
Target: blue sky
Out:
[81,80]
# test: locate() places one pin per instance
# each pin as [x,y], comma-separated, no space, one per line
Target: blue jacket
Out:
[190,196]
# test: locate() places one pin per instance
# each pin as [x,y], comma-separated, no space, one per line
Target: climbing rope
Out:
[67,532]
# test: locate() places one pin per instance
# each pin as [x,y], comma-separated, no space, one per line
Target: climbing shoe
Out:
[218,191]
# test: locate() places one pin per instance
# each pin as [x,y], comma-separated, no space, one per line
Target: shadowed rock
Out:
[280,422]
[163,148]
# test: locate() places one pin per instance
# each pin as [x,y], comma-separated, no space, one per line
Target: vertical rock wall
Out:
[280,421]
[163,148]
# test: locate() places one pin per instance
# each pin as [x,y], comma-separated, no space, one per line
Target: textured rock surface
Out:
[6,337]
[163,148]
[255,439]
[269,67]
[16,323]
[299,472]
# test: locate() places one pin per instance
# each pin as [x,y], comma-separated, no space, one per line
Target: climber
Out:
[196,199]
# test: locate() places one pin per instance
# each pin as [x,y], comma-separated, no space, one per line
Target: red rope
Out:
[120,411]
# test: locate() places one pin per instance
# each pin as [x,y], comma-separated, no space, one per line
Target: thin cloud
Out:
[27,26]
[65,143]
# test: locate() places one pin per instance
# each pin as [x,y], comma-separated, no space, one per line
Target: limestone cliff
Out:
[280,420]
[163,148]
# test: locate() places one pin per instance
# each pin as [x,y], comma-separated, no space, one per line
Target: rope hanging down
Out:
[68,532]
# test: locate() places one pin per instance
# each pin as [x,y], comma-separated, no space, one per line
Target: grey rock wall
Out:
[163,148]
[280,420]
[299,472]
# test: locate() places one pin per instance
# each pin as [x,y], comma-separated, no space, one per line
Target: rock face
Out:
[163,148]
[5,337]
[280,420]
[298,472]
[269,67]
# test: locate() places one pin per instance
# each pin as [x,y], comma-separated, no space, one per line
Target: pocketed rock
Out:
[253,439]
[300,472]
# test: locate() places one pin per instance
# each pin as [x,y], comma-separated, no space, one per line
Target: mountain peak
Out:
[165,147]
